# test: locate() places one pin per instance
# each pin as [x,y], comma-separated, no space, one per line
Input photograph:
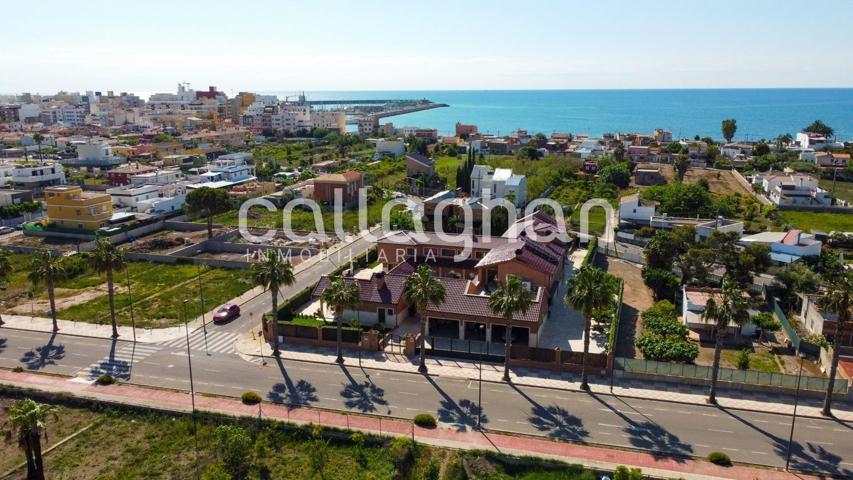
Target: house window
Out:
[448,252]
[479,254]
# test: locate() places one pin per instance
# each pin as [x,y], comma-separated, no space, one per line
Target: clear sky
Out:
[149,46]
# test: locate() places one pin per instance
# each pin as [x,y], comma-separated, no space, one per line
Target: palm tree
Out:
[272,273]
[421,290]
[107,258]
[26,422]
[591,292]
[49,269]
[837,301]
[39,138]
[506,301]
[681,164]
[339,296]
[731,310]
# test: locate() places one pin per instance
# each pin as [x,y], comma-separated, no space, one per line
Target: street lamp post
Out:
[192,389]
[794,418]
[130,298]
[480,391]
[201,297]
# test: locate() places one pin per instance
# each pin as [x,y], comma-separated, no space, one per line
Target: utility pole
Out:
[130,298]
[794,418]
[201,297]
[192,389]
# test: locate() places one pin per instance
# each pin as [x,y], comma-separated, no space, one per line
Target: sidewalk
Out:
[664,391]
[105,330]
[593,457]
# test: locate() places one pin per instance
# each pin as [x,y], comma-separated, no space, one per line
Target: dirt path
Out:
[65,298]
[635,298]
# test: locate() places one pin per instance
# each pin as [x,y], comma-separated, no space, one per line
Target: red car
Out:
[226,312]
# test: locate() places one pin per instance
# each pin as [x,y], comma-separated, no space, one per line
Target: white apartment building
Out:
[785,189]
[95,153]
[489,183]
[227,171]
[395,148]
[32,176]
[159,177]
[149,198]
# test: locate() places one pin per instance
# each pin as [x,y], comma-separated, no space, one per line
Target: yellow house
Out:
[68,206]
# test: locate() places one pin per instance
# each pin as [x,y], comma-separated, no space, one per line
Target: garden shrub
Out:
[720,458]
[106,379]
[250,398]
[425,420]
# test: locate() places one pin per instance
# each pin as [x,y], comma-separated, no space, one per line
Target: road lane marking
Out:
[819,443]
[814,427]
[759,453]
[720,431]
[408,393]
[700,445]
[609,425]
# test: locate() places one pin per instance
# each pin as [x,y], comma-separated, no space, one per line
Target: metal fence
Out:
[748,377]
[790,331]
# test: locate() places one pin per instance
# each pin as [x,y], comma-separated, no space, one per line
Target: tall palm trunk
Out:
[715,370]
[587,327]
[507,348]
[39,465]
[339,318]
[111,298]
[52,297]
[836,354]
[274,320]
[422,366]
[28,453]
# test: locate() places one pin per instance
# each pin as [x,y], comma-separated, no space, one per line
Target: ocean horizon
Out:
[760,112]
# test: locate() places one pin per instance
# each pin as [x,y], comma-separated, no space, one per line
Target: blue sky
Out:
[400,45]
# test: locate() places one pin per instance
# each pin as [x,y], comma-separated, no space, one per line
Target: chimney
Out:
[380,280]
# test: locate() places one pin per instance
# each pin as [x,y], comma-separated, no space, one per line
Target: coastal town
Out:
[709,272]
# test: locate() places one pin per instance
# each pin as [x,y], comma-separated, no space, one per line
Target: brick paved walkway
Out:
[594,457]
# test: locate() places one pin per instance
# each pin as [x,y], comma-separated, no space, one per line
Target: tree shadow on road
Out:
[649,435]
[462,415]
[364,396]
[289,393]
[118,369]
[47,354]
[3,343]
[557,422]
[806,456]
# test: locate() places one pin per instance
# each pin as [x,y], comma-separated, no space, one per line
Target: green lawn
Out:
[597,219]
[843,190]
[827,222]
[158,291]
[129,445]
[759,361]
[446,167]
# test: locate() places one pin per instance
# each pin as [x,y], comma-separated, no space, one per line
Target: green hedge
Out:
[288,308]
[591,250]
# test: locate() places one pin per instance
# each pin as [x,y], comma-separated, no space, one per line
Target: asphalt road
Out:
[820,444]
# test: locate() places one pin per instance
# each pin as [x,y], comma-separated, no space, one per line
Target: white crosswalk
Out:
[217,342]
[118,364]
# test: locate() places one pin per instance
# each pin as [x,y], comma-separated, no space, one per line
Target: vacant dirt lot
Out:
[635,298]
[722,182]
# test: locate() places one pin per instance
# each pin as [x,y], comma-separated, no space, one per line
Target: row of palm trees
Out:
[49,269]
[732,309]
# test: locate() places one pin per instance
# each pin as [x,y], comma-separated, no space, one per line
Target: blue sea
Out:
[760,113]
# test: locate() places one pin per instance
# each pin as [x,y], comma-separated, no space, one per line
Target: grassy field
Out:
[843,190]
[446,167]
[827,222]
[759,360]
[125,445]
[158,291]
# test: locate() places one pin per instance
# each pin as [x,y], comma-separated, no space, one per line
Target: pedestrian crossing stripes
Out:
[118,363]
[217,342]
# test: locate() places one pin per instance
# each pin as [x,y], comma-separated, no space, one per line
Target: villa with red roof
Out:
[468,282]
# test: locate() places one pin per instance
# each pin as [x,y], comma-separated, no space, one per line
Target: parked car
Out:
[226,312]
[5,230]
